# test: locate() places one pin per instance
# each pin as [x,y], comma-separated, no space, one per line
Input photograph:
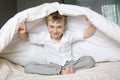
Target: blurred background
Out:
[108,8]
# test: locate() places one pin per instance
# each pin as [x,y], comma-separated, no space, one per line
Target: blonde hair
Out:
[56,17]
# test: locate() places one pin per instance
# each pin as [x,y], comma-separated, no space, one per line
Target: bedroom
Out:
[72,76]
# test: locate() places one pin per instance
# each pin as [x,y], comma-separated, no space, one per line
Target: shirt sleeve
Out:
[76,36]
[37,38]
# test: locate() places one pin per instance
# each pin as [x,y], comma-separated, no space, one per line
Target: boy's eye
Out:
[59,26]
[51,26]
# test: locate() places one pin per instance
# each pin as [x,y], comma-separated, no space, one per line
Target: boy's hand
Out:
[22,32]
[22,28]
[88,21]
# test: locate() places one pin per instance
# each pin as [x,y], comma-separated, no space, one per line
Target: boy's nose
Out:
[55,29]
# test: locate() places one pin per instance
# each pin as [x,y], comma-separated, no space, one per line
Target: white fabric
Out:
[104,45]
[102,71]
[57,53]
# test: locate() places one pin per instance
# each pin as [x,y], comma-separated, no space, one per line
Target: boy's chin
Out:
[56,37]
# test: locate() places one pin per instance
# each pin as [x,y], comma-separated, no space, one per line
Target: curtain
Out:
[111,10]
[108,8]
[117,2]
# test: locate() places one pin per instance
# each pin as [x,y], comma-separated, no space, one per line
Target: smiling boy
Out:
[58,46]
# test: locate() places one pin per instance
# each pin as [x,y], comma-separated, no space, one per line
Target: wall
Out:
[24,4]
[7,10]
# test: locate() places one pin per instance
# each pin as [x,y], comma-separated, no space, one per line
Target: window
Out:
[109,11]
[108,8]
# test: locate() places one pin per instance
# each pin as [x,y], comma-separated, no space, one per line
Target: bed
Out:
[103,46]
[102,71]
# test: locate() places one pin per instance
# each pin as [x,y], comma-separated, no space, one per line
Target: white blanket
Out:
[104,45]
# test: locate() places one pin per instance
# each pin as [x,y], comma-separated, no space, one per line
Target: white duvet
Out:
[104,45]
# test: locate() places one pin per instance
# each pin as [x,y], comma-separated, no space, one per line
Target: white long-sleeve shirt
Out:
[57,53]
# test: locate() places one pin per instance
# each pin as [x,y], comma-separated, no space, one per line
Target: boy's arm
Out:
[91,29]
[22,32]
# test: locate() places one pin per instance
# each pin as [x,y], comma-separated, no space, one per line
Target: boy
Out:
[57,45]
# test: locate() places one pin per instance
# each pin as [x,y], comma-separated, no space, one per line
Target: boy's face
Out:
[56,29]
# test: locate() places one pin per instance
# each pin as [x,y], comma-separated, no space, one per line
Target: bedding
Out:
[102,71]
[103,46]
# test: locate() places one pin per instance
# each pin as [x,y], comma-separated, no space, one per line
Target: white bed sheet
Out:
[102,71]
